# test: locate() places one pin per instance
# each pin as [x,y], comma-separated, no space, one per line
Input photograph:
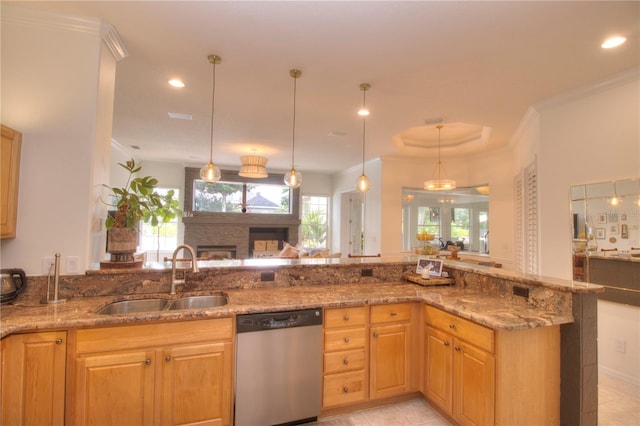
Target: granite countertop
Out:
[494,311]
[625,257]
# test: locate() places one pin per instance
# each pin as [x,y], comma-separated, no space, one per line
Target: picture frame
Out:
[436,266]
[602,218]
[601,233]
[623,217]
[613,217]
[613,229]
[624,231]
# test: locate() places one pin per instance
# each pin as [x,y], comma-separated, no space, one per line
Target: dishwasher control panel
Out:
[275,320]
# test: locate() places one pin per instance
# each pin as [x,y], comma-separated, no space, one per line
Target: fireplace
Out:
[216,252]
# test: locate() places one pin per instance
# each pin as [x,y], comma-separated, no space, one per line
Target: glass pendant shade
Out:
[253,167]
[210,173]
[362,184]
[293,179]
[437,183]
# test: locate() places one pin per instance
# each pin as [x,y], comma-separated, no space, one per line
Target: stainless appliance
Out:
[278,367]
[13,282]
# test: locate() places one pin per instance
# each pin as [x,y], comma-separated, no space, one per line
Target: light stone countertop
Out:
[494,311]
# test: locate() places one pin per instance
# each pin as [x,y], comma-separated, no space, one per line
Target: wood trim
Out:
[9,187]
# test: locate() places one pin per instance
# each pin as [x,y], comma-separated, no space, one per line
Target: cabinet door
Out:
[438,368]
[114,389]
[196,384]
[33,378]
[9,176]
[474,385]
[390,360]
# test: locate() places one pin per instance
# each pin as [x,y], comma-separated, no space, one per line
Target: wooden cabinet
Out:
[33,378]
[345,360]
[480,376]
[171,373]
[390,349]
[9,176]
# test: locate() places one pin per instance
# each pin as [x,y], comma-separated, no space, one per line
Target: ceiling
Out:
[476,66]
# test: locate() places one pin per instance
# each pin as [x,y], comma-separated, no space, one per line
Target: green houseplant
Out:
[136,201]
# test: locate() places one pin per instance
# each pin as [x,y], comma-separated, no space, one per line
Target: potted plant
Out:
[136,201]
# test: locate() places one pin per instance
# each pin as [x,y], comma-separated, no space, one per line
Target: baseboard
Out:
[620,376]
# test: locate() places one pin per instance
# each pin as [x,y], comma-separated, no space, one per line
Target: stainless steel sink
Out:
[199,302]
[133,306]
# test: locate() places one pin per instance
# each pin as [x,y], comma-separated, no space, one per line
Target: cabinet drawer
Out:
[339,362]
[476,334]
[395,312]
[340,340]
[343,388]
[345,317]
[152,335]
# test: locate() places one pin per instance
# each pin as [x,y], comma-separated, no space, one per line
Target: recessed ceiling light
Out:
[613,42]
[180,116]
[176,83]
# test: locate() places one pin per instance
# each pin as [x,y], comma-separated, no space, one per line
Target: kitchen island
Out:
[480,295]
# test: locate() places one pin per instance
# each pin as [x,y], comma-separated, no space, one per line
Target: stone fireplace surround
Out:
[237,230]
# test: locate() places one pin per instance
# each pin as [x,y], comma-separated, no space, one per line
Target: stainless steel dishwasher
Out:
[278,367]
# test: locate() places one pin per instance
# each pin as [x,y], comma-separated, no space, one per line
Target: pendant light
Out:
[253,166]
[362,184]
[210,172]
[293,178]
[439,184]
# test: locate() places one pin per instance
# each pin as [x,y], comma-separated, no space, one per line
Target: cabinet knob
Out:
[345,361]
[167,358]
[452,325]
[346,317]
[345,389]
[375,334]
[457,348]
[58,341]
[393,314]
[147,361]
[446,343]
[346,339]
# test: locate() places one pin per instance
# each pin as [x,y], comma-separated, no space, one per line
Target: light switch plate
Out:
[47,265]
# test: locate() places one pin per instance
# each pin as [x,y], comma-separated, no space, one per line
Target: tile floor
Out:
[618,405]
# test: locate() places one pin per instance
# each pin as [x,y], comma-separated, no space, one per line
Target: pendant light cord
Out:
[364,124]
[439,160]
[213,97]
[293,132]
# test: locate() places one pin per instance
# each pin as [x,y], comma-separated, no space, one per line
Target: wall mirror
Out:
[605,222]
[432,220]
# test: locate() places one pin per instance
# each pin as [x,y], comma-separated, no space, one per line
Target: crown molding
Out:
[613,81]
[55,21]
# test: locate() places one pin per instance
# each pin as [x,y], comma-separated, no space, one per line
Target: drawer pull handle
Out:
[58,341]
[446,343]
[167,358]
[345,361]
[346,340]
[457,348]
[346,317]
[452,325]
[147,361]
[375,334]
[345,389]
[393,314]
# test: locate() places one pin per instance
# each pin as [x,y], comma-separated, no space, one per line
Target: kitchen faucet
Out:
[194,266]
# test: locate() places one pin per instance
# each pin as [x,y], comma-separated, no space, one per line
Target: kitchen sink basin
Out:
[199,302]
[133,306]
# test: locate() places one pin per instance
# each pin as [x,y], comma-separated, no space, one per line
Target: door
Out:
[474,384]
[115,389]
[33,378]
[196,384]
[438,368]
[390,360]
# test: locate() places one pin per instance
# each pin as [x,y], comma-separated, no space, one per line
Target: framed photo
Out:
[613,229]
[602,218]
[435,264]
[623,217]
[601,233]
[613,217]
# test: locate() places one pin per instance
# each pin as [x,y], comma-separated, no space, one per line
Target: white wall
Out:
[52,81]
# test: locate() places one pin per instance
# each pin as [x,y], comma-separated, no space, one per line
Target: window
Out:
[315,214]
[429,220]
[460,224]
[228,197]
[163,237]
